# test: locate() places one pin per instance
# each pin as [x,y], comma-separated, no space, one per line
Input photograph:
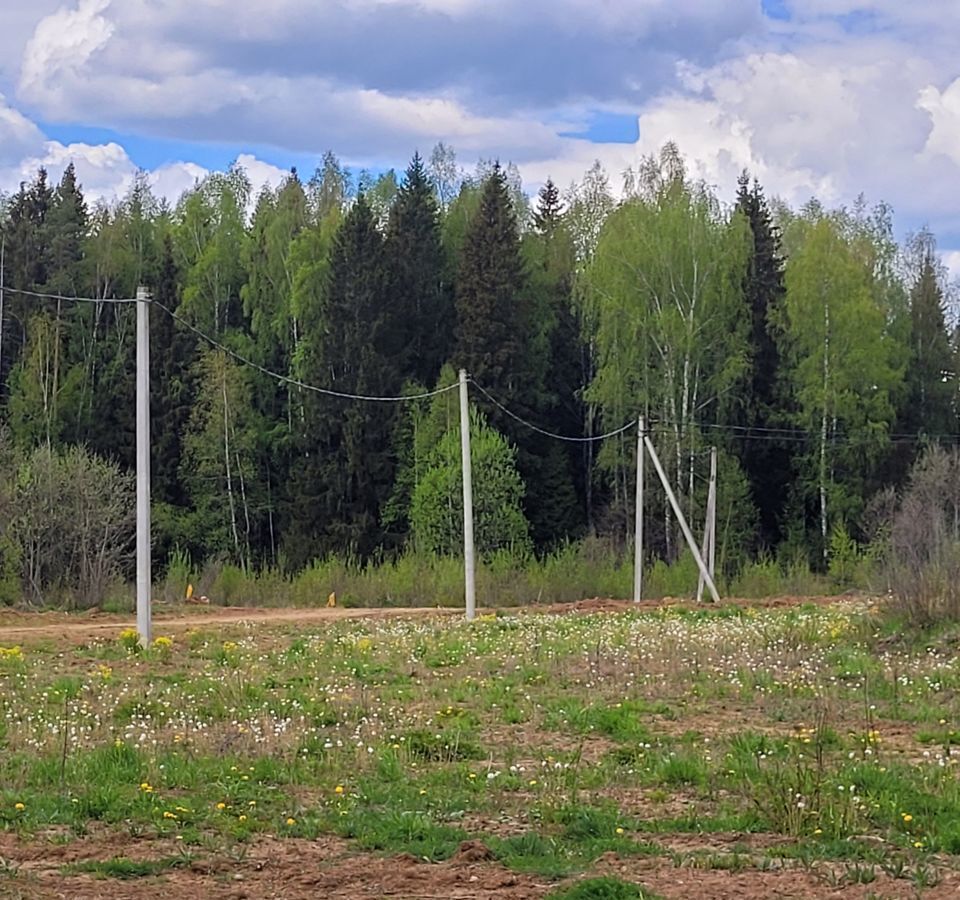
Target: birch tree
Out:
[665,290]
[218,463]
[845,365]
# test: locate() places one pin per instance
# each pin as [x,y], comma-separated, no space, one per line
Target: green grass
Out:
[121,867]
[552,739]
[606,888]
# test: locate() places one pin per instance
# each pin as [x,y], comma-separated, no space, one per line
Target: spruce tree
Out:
[172,354]
[25,266]
[549,211]
[420,303]
[928,407]
[493,316]
[765,460]
[346,469]
[555,493]
[65,233]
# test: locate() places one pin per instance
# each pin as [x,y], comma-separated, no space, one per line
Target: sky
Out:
[826,98]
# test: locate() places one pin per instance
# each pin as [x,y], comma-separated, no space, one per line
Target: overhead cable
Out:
[295,382]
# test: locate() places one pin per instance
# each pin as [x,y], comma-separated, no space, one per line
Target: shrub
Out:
[923,557]
[436,512]
[72,525]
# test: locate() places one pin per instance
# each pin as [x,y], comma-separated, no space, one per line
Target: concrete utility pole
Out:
[709,551]
[469,563]
[3,251]
[638,527]
[144,624]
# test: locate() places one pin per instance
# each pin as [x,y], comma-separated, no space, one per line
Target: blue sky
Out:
[833,98]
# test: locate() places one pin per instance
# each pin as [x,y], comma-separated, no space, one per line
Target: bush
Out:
[72,525]
[436,512]
[923,556]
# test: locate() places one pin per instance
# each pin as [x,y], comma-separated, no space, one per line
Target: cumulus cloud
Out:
[951,259]
[18,135]
[408,70]
[843,96]
[105,171]
[943,107]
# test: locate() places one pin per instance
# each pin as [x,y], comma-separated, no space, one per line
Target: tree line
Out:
[808,345]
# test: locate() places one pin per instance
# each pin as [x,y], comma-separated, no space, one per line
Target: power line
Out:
[551,434]
[42,296]
[294,382]
[769,434]
[801,437]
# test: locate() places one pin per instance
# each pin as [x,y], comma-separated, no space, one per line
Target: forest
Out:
[813,349]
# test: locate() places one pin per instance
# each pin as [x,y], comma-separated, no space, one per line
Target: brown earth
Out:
[292,869]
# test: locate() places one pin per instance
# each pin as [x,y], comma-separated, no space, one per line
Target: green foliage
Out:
[677,579]
[767,461]
[436,511]
[720,326]
[346,469]
[492,303]
[219,464]
[672,342]
[604,888]
[844,554]
[415,274]
[844,363]
[122,867]
[72,521]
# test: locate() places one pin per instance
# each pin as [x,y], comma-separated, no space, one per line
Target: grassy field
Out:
[797,751]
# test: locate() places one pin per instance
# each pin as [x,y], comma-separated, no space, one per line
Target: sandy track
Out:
[25,626]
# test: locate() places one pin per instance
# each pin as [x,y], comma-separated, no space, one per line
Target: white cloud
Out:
[105,171]
[848,96]
[18,21]
[173,179]
[345,72]
[18,135]
[61,48]
[261,174]
[951,259]
[943,108]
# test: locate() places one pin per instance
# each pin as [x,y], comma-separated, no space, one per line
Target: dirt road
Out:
[18,627]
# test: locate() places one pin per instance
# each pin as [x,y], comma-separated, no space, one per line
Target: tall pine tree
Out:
[555,493]
[420,301]
[346,469]
[929,405]
[766,461]
[493,315]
